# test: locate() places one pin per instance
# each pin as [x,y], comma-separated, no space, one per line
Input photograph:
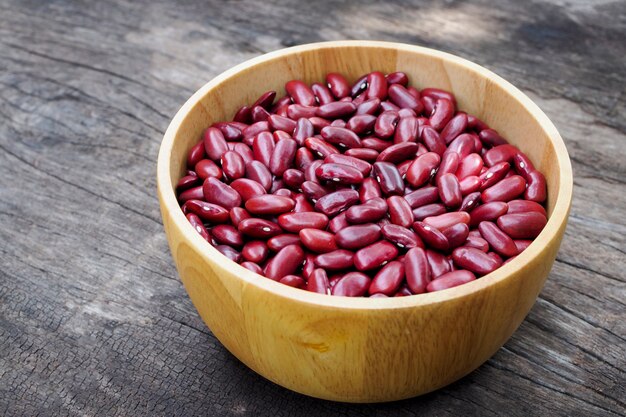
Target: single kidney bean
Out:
[364,154]
[470,202]
[375,255]
[333,203]
[335,260]
[219,193]
[357,237]
[294,222]
[269,204]
[335,110]
[505,190]
[437,93]
[478,243]
[195,193]
[318,282]
[244,151]
[398,153]
[431,236]
[187,182]
[475,260]
[304,129]
[397,78]
[361,123]
[286,262]
[445,220]
[522,225]
[309,265]
[450,191]
[437,263]
[338,222]
[369,189]
[293,281]
[258,172]
[385,125]
[276,243]
[500,153]
[401,236]
[255,251]
[494,174]
[456,234]
[303,158]
[214,143]
[429,104]
[428,210]
[469,166]
[536,190]
[376,144]
[233,165]
[341,136]
[523,165]
[443,112]
[284,192]
[227,235]
[300,93]
[338,85]
[401,97]
[282,123]
[418,273]
[251,266]
[523,206]
[371,211]
[369,106]
[254,129]
[388,106]
[283,156]
[229,252]
[280,103]
[388,178]
[491,137]
[449,164]
[339,173]
[406,130]
[423,196]
[388,280]
[433,140]
[314,191]
[522,244]
[454,127]
[293,178]
[302,204]
[309,171]
[196,154]
[319,147]
[497,239]
[377,85]
[197,224]
[400,211]
[230,132]
[464,145]
[297,112]
[488,212]
[323,94]
[259,228]
[403,292]
[318,123]
[363,166]
[450,280]
[207,168]
[359,86]
[265,100]
[422,169]
[470,185]
[352,284]
[318,241]
[259,114]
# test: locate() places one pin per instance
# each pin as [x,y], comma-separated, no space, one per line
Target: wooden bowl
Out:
[360,349]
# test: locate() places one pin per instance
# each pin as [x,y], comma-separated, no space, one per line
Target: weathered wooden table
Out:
[93,318]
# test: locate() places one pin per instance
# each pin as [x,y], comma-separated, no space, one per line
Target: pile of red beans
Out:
[374,188]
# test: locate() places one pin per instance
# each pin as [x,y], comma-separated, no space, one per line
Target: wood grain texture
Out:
[93,319]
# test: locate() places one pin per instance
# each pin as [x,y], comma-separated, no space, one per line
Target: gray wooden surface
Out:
[93,318]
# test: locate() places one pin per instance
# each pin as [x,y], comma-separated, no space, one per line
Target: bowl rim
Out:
[550,232]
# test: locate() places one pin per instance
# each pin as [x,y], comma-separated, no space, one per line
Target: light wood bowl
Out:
[360,349]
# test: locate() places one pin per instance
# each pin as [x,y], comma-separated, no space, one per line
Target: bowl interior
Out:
[477,90]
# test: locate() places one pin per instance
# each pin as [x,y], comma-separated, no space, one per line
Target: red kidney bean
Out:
[294,222]
[359,86]
[363,154]
[252,267]
[361,123]
[335,260]
[219,193]
[254,129]
[276,243]
[259,114]
[255,251]
[536,190]
[371,211]
[487,212]
[388,280]
[281,102]
[233,165]
[406,130]
[370,106]
[362,166]
[292,281]
[398,153]
[303,158]
[269,204]
[284,192]
[437,263]
[397,78]
[433,140]
[207,168]
[341,136]
[471,165]
[445,220]
[475,260]
[302,204]
[523,165]
[338,123]
[198,226]
[437,93]
[505,190]
[375,255]
[319,147]
[309,265]
[296,112]
[265,100]
[318,123]
[230,132]
[385,125]
[282,123]
[338,222]
[523,206]
[337,109]
[470,202]
[339,173]
[400,211]
[227,235]
[338,85]
[401,236]
[293,178]
[429,104]
[187,182]
[422,169]
[359,236]
[229,252]
[195,193]
[450,280]
[304,129]
[491,138]
[352,284]
[309,171]
[423,196]
[244,152]
[478,243]
[402,98]
[196,154]
[283,156]
[418,273]
[456,234]
[377,85]
[318,282]
[263,147]
[464,145]
[431,236]
[522,244]
[497,239]
[388,178]
[470,185]
[449,164]
[522,225]
[214,143]
[314,191]
[376,144]
[454,127]
[449,190]
[286,262]
[259,228]
[388,106]
[428,210]
[442,114]
[501,153]
[243,115]
[494,174]
[333,203]
[322,93]
[300,93]
[318,241]
[259,173]
[403,292]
